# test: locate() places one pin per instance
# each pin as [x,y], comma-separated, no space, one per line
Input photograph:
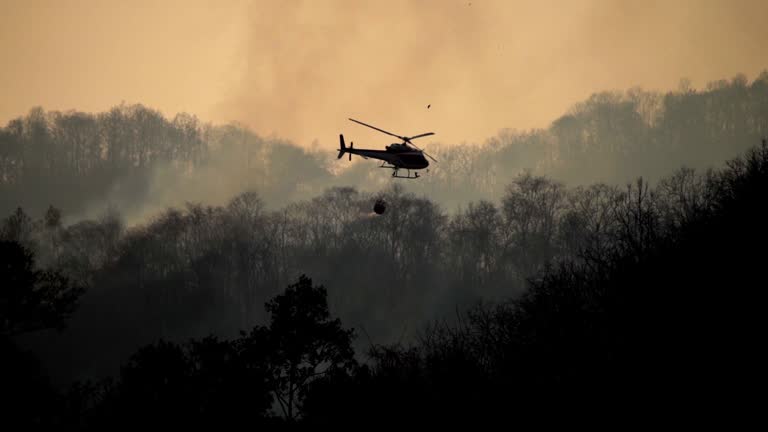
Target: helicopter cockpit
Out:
[397,148]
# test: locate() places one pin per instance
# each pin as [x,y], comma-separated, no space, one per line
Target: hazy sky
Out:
[299,69]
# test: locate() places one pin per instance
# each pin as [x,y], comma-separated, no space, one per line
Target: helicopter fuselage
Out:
[406,158]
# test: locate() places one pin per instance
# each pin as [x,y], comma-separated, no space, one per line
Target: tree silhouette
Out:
[32,299]
[230,381]
[156,385]
[207,382]
[212,382]
[305,343]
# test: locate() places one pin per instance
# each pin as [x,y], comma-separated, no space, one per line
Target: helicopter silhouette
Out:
[397,156]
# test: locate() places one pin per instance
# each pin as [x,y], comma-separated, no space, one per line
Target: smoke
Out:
[89,55]
[480,65]
[299,69]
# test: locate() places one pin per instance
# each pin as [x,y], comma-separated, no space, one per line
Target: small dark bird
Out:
[429,106]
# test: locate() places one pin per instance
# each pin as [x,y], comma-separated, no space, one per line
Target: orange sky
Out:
[298,69]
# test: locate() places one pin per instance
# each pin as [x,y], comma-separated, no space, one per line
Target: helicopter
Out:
[397,156]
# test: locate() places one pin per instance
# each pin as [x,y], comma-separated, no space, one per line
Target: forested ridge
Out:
[556,292]
[135,159]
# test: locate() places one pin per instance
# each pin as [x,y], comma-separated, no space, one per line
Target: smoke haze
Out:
[299,69]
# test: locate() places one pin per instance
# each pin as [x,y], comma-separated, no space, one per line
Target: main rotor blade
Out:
[419,136]
[380,130]
[417,148]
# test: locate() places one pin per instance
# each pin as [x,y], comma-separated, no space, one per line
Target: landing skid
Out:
[395,171]
[409,176]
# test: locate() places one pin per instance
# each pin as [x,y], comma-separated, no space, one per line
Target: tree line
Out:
[139,161]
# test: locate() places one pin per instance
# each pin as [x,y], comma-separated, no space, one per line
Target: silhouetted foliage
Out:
[304,343]
[661,320]
[28,399]
[212,382]
[205,382]
[32,299]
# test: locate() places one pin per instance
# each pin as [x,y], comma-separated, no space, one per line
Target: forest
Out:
[133,159]
[609,262]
